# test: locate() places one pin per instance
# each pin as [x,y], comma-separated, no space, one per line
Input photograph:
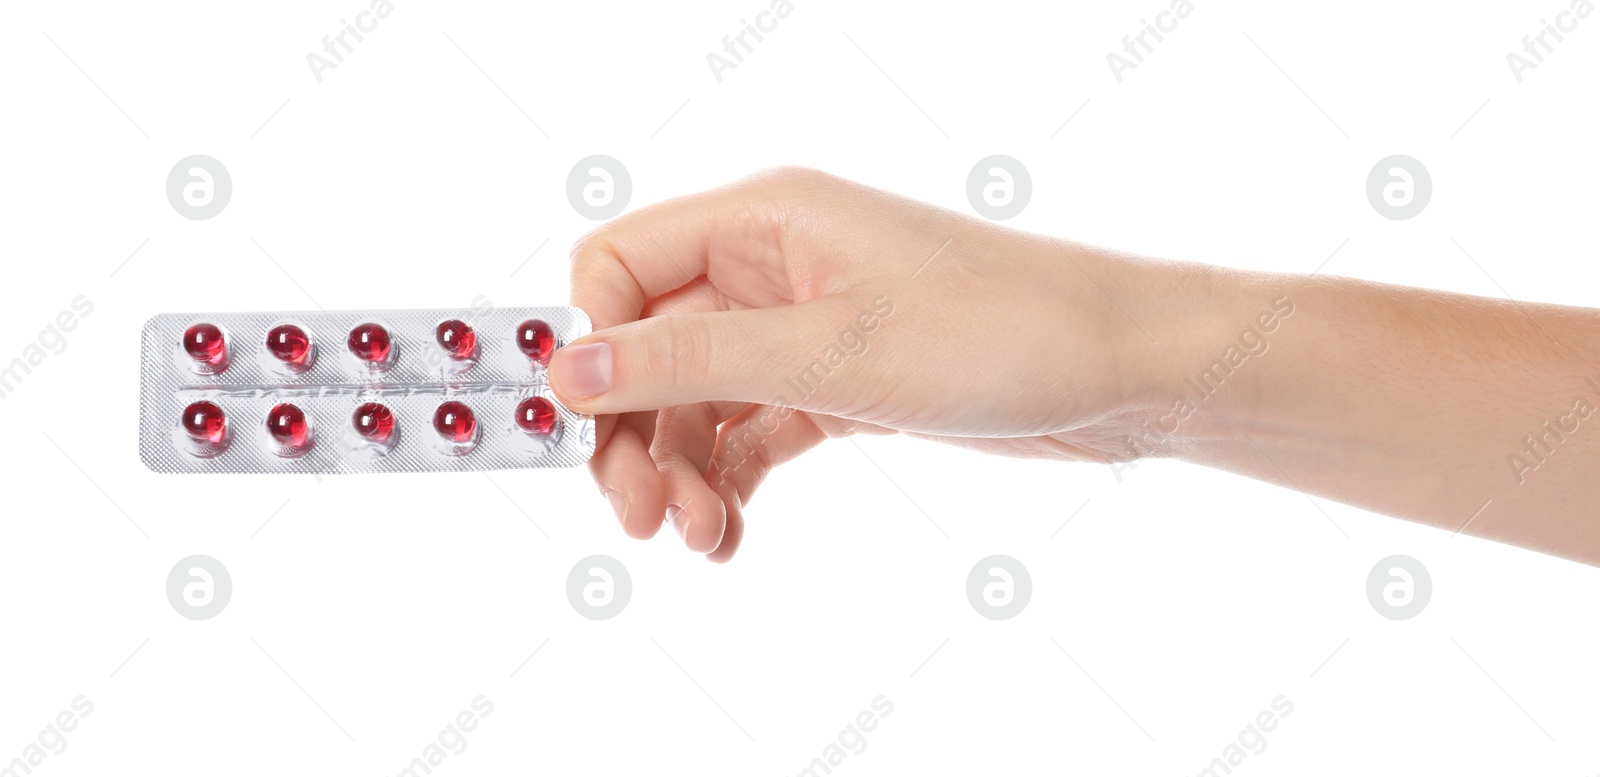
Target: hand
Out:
[737,328]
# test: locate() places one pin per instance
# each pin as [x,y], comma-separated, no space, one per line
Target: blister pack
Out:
[358,391]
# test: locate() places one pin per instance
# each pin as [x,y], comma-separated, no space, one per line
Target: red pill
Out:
[205,344]
[369,342]
[374,422]
[455,422]
[456,338]
[536,339]
[535,415]
[289,344]
[204,423]
[287,426]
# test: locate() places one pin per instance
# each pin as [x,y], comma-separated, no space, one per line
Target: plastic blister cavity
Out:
[358,391]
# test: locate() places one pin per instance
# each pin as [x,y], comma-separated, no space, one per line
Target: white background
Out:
[1186,599]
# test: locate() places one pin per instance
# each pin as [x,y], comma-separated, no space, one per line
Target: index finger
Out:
[735,230]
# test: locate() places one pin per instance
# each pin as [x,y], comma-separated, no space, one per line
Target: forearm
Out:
[1451,410]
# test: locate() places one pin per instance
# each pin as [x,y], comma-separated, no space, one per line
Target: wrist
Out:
[1197,339]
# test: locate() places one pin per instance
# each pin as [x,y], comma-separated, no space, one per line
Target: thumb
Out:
[665,361]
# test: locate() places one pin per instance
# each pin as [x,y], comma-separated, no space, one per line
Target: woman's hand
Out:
[737,328]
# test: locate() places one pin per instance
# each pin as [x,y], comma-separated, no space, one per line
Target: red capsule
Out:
[456,338]
[373,422]
[204,423]
[287,426]
[205,344]
[289,344]
[369,342]
[455,422]
[537,340]
[536,416]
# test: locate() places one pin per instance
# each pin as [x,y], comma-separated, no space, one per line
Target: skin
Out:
[713,307]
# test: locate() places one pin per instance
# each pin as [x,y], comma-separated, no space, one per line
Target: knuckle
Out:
[591,250]
[678,350]
[759,464]
[790,178]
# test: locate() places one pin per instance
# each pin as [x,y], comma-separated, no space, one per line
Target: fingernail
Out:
[582,371]
[678,518]
[619,505]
